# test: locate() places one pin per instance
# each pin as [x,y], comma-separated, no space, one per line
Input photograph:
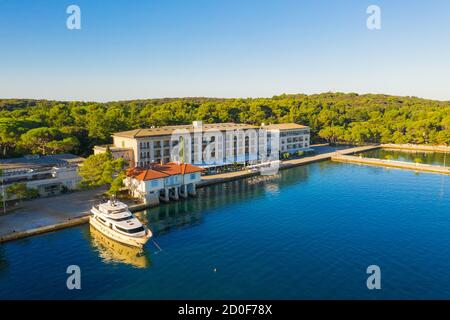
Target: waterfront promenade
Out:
[392,164]
[413,147]
[47,214]
[322,153]
[50,214]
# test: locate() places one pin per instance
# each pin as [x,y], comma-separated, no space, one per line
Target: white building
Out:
[49,175]
[208,145]
[163,181]
[125,153]
[292,137]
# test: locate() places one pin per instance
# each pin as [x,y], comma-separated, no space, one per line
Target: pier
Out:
[325,153]
[415,147]
[46,215]
[392,164]
[326,156]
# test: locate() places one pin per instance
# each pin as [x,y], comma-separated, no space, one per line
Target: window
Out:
[131,231]
[193,176]
[122,219]
[102,220]
[154,183]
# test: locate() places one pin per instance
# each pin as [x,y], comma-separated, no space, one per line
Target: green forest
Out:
[50,127]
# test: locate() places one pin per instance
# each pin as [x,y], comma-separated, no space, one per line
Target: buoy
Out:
[215,269]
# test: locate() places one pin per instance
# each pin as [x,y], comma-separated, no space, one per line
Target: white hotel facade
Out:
[208,145]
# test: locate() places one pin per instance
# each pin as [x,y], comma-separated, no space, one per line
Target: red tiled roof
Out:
[167,168]
[189,168]
[157,171]
[145,174]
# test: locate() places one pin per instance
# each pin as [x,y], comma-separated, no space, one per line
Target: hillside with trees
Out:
[50,127]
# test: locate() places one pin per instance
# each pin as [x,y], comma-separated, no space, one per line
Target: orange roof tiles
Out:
[145,174]
[168,168]
[189,168]
[158,171]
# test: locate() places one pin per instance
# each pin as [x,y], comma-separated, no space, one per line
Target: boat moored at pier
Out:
[115,221]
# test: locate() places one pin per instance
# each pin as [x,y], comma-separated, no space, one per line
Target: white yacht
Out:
[115,221]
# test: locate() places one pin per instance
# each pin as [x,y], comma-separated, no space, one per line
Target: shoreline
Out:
[207,181]
[416,167]
[70,222]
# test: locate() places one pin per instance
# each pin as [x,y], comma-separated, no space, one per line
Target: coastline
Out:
[417,167]
[83,217]
[70,222]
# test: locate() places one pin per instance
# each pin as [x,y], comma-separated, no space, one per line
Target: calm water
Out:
[309,232]
[440,159]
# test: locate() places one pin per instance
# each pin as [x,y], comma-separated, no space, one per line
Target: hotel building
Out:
[208,145]
[163,181]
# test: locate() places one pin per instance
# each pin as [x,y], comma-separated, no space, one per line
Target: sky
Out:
[222,48]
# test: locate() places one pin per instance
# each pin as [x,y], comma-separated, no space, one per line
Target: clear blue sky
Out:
[222,48]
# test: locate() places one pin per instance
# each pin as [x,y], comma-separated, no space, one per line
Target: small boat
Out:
[115,221]
[266,168]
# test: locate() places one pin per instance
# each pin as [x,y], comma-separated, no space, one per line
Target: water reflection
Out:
[189,212]
[434,158]
[3,262]
[166,217]
[111,251]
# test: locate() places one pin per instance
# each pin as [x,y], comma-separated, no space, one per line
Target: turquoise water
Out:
[307,233]
[434,158]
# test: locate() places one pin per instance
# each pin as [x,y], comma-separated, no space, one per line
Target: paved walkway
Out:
[48,211]
[393,164]
[415,147]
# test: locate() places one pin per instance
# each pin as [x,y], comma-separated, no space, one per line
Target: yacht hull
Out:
[138,242]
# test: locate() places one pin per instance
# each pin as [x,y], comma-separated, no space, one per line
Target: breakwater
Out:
[392,164]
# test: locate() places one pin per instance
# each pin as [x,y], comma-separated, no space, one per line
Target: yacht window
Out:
[116,211]
[135,230]
[122,219]
[103,220]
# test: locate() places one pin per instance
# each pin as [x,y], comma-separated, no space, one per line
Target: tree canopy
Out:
[40,126]
[101,169]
